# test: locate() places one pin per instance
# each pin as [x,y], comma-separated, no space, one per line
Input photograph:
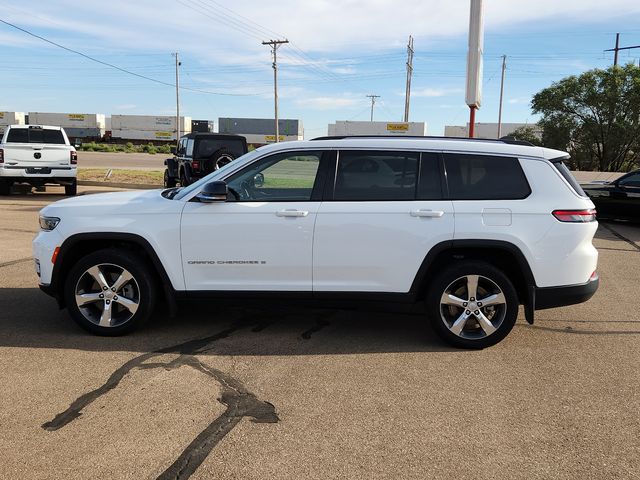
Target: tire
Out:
[169,182]
[466,323]
[183,179]
[71,190]
[5,187]
[221,158]
[113,267]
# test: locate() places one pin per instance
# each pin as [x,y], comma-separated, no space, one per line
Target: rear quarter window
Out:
[566,173]
[485,177]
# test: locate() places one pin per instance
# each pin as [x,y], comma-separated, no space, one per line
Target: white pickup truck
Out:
[37,155]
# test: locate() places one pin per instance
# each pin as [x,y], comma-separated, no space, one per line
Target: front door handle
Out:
[292,213]
[427,213]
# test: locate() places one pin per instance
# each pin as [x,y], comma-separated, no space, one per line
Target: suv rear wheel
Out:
[71,190]
[472,305]
[169,181]
[5,186]
[110,292]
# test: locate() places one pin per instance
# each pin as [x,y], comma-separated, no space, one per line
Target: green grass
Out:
[283,182]
[141,177]
[125,148]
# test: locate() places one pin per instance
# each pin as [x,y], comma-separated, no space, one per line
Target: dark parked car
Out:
[199,154]
[619,199]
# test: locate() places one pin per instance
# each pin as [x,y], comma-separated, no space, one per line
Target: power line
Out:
[373,102]
[123,70]
[618,48]
[407,95]
[275,44]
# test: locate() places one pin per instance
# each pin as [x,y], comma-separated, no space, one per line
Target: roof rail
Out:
[508,140]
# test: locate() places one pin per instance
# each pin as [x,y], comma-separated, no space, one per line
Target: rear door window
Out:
[376,175]
[485,177]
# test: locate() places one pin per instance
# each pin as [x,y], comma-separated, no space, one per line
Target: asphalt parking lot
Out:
[254,393]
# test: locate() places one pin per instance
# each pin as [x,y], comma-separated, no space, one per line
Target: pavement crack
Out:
[239,401]
[575,331]
[15,262]
[620,236]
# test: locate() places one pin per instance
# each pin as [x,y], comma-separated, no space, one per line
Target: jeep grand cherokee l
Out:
[469,229]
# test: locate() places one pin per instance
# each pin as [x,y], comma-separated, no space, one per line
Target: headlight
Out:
[48,223]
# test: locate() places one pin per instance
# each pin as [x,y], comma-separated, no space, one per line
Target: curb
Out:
[136,186]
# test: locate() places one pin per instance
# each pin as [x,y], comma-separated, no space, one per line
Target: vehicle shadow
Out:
[30,319]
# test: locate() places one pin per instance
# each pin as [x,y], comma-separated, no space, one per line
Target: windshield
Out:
[218,173]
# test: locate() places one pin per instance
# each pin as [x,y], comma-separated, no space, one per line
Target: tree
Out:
[528,134]
[594,116]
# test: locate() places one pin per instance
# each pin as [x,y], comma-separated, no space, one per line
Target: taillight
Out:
[74,157]
[575,216]
[195,164]
[1,155]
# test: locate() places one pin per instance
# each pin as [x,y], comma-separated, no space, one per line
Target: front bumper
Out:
[550,297]
[44,244]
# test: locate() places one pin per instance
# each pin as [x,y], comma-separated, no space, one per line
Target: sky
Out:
[339,52]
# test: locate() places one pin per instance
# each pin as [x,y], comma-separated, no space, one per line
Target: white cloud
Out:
[434,92]
[519,100]
[312,25]
[326,103]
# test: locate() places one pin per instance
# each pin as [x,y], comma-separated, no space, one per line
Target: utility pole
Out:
[275,44]
[618,48]
[504,67]
[407,96]
[177,100]
[373,102]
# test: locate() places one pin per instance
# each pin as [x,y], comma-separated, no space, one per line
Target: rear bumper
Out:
[549,297]
[53,172]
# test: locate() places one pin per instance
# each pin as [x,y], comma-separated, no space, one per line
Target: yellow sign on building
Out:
[397,127]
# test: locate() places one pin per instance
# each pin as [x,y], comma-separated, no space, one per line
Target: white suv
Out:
[470,229]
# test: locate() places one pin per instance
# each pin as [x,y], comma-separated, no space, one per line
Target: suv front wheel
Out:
[110,292]
[472,305]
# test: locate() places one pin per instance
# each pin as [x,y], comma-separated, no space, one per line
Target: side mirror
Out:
[258,180]
[174,150]
[213,192]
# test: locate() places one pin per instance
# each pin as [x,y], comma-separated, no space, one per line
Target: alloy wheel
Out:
[107,295]
[473,307]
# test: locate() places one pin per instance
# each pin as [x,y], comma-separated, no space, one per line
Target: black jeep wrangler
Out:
[199,154]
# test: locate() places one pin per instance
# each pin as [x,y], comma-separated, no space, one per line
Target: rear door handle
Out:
[427,213]
[292,213]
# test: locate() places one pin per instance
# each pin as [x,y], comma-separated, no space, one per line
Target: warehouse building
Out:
[488,130]
[377,128]
[77,125]
[10,118]
[260,131]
